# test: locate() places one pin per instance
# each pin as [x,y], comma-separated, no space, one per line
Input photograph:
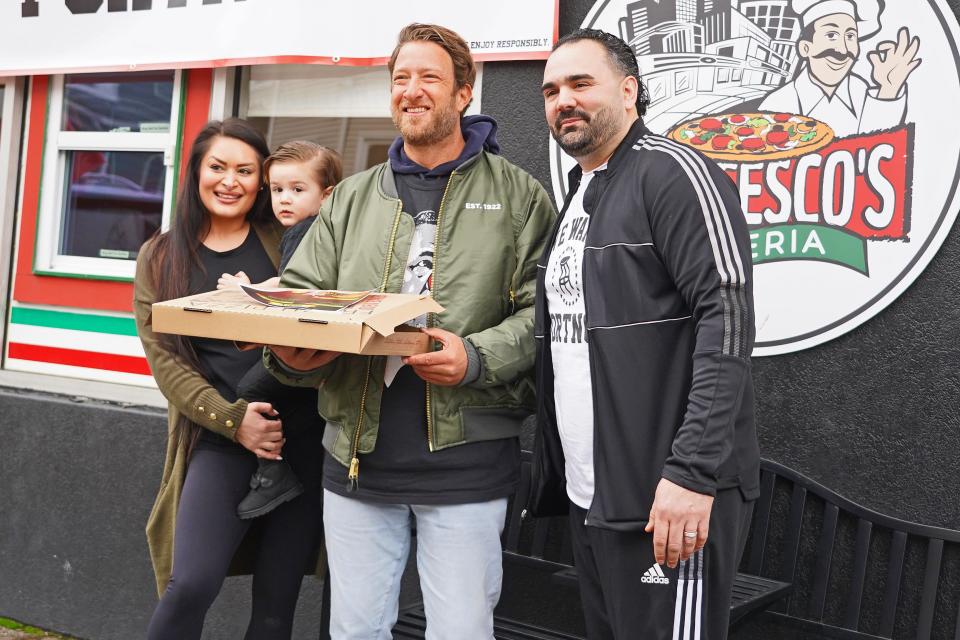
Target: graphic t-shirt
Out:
[418,276]
[568,345]
[401,469]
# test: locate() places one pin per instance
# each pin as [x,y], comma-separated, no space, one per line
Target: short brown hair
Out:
[324,161]
[464,70]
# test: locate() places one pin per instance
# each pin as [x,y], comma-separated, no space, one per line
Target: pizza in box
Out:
[742,137]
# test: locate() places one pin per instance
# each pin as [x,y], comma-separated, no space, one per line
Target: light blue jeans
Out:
[458,559]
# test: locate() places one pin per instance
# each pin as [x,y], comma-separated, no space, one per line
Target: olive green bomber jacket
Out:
[493,221]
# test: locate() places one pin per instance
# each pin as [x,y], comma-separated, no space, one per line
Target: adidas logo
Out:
[654,575]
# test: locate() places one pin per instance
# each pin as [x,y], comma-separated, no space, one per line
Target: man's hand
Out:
[263,436]
[675,512]
[446,367]
[303,359]
[893,62]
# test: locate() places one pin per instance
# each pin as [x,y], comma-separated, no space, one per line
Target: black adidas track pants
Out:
[626,595]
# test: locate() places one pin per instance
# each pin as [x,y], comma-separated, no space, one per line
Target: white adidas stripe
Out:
[678,604]
[722,216]
[701,196]
[714,230]
[698,619]
[720,210]
[659,571]
[619,244]
[719,232]
[688,602]
[687,617]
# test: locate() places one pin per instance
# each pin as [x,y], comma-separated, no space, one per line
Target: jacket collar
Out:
[637,130]
[388,182]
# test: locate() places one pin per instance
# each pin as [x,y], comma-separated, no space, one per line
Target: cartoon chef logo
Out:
[831,125]
[825,87]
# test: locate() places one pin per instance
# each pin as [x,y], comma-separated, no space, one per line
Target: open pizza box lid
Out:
[354,322]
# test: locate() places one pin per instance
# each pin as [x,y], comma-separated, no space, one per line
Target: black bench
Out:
[857,574]
[539,586]
[815,563]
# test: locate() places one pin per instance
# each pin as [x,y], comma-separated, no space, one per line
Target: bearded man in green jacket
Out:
[432,436]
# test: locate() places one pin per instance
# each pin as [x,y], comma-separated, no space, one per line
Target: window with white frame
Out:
[10,117]
[108,172]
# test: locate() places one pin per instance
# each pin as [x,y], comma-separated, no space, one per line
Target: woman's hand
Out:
[263,436]
[226,280]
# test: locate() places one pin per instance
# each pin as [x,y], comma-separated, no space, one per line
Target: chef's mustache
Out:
[573,113]
[839,56]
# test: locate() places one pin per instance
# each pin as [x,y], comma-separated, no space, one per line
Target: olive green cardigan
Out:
[188,393]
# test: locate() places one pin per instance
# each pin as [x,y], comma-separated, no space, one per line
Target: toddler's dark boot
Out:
[273,484]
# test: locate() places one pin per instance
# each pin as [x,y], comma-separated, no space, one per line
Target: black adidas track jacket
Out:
[670,326]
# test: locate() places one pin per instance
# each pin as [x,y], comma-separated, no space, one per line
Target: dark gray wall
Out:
[873,414]
[77,479]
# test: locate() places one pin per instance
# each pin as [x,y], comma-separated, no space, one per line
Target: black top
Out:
[297,406]
[402,469]
[670,361]
[291,240]
[222,364]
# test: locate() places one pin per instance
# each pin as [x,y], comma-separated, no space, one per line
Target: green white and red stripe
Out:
[76,344]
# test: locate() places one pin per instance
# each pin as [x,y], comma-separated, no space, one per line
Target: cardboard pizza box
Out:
[354,322]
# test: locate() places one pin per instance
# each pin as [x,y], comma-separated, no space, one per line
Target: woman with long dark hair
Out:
[223,224]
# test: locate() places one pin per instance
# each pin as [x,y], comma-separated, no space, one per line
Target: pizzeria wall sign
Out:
[833,117]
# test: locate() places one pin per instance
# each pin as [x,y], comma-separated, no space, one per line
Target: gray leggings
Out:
[208,533]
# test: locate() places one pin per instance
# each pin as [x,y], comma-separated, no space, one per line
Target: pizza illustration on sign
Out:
[746,136]
[831,125]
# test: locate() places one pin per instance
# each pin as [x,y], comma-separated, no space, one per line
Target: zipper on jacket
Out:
[353,474]
[591,359]
[432,316]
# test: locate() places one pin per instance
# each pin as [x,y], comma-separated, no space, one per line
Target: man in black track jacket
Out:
[644,326]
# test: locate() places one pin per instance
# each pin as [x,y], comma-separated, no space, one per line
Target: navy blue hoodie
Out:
[479,134]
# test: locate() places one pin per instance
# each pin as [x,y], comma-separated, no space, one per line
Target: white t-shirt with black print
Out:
[572,388]
[418,276]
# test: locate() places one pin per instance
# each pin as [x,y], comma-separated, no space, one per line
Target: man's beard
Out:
[592,134]
[443,121]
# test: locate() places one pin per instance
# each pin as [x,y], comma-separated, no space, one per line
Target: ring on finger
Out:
[690,535]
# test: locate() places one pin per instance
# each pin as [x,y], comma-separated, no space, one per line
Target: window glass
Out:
[376,154]
[113,202]
[136,102]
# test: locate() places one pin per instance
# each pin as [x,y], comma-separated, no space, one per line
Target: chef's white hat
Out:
[865,12]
